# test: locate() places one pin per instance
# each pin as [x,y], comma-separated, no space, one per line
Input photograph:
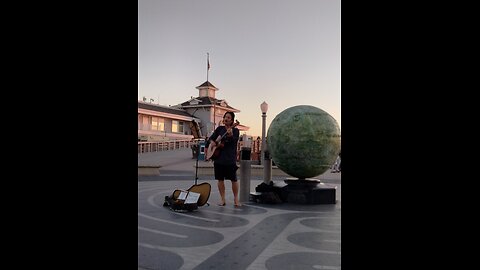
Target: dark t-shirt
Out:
[228,154]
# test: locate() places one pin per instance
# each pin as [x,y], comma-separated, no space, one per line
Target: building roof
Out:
[207,83]
[160,108]
[207,102]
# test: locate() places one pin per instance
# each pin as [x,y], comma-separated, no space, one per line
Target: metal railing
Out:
[145,147]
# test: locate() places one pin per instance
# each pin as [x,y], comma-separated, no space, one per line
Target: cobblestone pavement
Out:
[253,236]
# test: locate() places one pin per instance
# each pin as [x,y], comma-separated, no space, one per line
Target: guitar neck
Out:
[220,137]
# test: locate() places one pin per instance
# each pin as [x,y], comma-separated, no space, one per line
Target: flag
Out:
[208,64]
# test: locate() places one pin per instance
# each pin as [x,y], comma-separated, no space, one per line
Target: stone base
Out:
[148,170]
[308,191]
[299,191]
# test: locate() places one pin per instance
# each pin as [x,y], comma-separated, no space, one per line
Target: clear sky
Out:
[283,52]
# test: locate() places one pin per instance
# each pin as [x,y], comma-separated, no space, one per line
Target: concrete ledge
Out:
[255,170]
[149,169]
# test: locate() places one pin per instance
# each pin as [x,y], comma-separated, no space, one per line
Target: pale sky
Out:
[283,52]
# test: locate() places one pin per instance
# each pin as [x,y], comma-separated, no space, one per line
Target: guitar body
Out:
[216,153]
[213,151]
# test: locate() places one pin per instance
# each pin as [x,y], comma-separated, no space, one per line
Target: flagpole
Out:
[208,64]
[208,68]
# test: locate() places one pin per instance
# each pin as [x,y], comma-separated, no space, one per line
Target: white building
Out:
[194,118]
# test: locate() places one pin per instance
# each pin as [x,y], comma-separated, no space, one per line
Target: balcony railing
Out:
[145,147]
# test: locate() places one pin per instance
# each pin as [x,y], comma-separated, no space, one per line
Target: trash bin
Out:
[201,155]
[245,153]
[245,174]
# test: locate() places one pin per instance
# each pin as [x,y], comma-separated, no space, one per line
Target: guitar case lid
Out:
[204,190]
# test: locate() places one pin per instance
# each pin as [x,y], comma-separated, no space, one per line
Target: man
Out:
[225,160]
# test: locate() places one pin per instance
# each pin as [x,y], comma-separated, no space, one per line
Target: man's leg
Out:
[235,193]
[221,189]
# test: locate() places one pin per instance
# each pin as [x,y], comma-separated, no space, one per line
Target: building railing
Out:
[145,147]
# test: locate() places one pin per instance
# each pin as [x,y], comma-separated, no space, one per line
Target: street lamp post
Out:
[265,161]
[264,108]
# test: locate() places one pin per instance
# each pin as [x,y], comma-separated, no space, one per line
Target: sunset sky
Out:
[284,52]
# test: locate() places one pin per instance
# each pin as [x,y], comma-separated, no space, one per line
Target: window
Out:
[145,123]
[158,123]
[177,126]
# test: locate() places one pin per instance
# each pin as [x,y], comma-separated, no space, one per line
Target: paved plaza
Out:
[253,236]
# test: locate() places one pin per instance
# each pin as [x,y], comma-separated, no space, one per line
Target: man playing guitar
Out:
[225,164]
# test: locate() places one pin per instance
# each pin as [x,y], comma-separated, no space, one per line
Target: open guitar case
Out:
[179,205]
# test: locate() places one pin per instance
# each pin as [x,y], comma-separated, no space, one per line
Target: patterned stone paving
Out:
[254,236]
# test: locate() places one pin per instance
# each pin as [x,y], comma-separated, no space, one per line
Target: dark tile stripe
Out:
[245,249]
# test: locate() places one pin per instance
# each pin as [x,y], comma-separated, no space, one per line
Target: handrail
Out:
[145,147]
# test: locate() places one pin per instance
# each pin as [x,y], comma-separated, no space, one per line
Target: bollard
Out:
[245,174]
[267,169]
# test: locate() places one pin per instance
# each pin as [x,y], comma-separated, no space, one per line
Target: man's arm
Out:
[211,139]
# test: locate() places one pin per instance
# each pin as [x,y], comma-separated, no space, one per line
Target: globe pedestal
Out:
[308,191]
[294,190]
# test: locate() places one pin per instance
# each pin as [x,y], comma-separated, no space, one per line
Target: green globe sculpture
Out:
[303,141]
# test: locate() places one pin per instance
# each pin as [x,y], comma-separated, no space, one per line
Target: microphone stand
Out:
[196,164]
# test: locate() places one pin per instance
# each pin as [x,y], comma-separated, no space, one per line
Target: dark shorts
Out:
[228,172]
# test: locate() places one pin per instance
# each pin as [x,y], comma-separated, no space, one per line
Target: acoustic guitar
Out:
[213,151]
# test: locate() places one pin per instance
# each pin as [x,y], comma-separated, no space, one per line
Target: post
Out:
[267,164]
[214,117]
[267,168]
[264,116]
[245,174]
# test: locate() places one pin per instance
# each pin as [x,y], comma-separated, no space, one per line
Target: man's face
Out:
[227,120]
